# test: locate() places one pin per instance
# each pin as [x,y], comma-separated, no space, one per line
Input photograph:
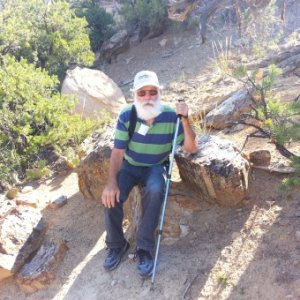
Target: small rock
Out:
[129,59]
[297,236]
[27,200]
[131,256]
[169,241]
[58,202]
[184,230]
[260,157]
[48,181]
[27,189]
[163,43]
[113,283]
[12,193]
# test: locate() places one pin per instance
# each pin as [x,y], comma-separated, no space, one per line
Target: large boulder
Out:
[218,173]
[22,231]
[95,91]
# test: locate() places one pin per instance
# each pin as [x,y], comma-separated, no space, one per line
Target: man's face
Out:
[147,102]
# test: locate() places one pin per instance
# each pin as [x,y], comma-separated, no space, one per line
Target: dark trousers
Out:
[152,181]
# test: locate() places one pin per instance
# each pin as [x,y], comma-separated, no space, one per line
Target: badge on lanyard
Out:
[143,129]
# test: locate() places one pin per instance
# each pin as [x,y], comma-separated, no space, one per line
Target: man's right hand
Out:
[110,195]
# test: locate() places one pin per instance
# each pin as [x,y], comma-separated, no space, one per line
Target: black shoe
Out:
[114,257]
[145,266]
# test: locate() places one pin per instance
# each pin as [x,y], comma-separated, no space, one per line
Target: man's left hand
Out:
[182,109]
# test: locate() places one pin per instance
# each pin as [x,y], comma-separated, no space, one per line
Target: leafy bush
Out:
[101,24]
[273,119]
[144,14]
[33,114]
[48,35]
[39,171]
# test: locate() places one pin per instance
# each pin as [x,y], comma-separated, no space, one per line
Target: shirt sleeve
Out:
[180,136]
[121,133]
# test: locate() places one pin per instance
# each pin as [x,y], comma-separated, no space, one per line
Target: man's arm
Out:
[111,191]
[190,143]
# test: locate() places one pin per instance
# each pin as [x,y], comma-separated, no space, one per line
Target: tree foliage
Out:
[49,35]
[272,118]
[33,114]
[101,25]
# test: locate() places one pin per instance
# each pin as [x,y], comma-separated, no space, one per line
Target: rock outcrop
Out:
[229,111]
[117,44]
[21,233]
[218,172]
[95,92]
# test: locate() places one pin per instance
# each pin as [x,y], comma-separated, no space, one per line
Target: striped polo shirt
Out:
[151,145]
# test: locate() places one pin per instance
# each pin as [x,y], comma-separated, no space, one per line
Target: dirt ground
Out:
[247,252]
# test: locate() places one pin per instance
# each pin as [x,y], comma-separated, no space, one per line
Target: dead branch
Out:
[206,15]
[264,134]
[297,98]
[283,10]
[279,57]
[180,10]
[238,16]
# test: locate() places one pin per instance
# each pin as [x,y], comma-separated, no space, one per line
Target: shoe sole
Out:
[120,258]
[148,275]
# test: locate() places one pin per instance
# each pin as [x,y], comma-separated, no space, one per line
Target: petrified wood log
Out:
[41,270]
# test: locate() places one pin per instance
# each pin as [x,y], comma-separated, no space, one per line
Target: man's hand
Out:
[110,195]
[111,192]
[182,109]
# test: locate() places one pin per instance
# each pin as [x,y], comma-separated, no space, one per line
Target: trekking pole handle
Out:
[180,115]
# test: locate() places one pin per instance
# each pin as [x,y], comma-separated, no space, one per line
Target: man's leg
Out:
[115,240]
[152,198]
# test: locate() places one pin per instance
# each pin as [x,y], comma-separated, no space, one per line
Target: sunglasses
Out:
[143,93]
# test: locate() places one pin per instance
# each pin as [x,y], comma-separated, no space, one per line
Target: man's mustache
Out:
[149,103]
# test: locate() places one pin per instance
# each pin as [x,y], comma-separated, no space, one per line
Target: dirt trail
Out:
[246,252]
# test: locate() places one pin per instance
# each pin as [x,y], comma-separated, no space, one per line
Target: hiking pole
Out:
[166,197]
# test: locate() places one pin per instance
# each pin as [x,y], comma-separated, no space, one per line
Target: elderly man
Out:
[140,160]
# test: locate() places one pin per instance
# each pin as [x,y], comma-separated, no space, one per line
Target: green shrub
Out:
[144,14]
[49,35]
[33,115]
[101,24]
[278,121]
[39,171]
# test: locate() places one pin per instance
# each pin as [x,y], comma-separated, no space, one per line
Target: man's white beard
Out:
[149,109]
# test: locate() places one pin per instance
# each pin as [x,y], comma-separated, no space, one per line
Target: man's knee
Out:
[155,189]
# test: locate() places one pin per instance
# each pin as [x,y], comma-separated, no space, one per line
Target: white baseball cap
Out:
[144,78]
